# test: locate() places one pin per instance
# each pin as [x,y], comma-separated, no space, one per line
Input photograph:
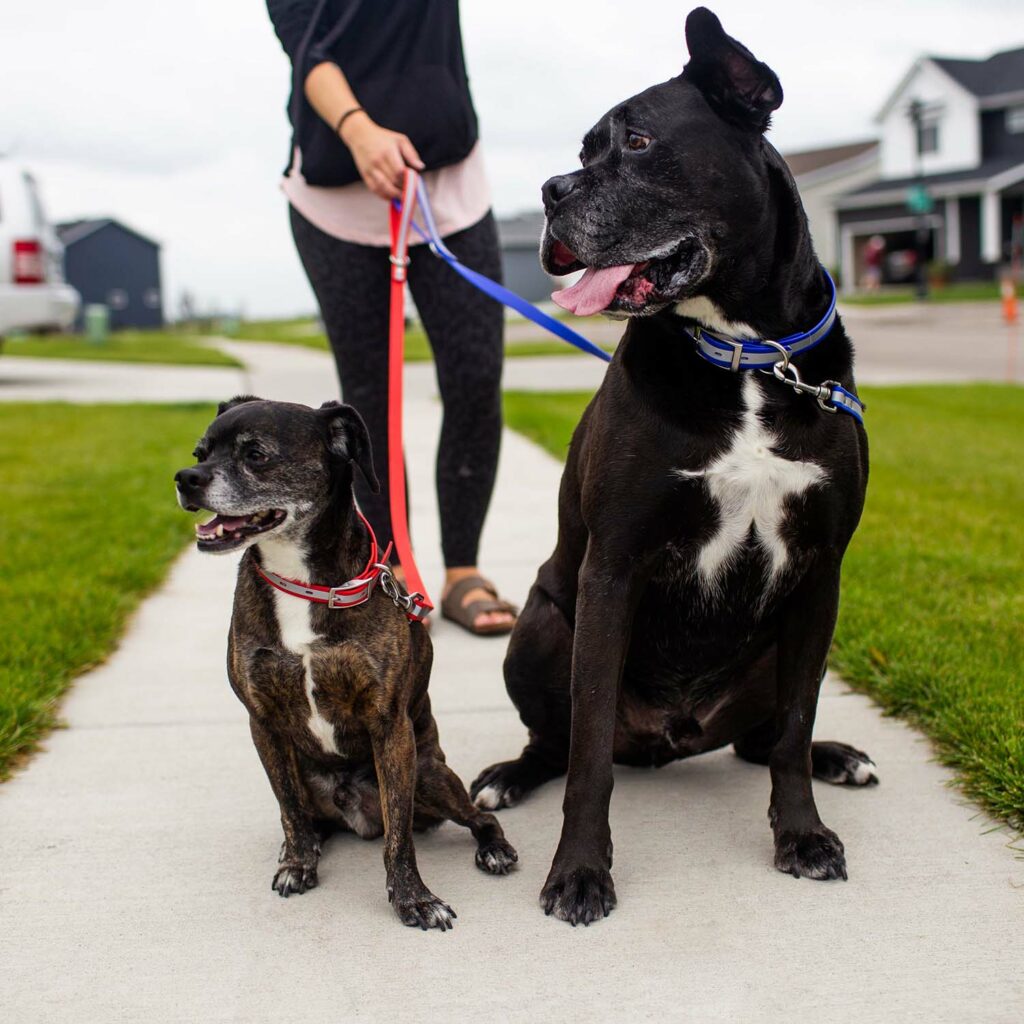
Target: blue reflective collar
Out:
[774,357]
[755,354]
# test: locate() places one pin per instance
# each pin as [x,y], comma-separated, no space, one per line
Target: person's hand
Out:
[381,155]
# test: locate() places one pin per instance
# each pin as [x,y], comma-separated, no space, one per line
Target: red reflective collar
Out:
[353,592]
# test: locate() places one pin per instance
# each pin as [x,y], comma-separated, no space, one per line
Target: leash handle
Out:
[420,606]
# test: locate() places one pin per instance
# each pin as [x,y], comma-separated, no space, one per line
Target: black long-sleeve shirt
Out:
[404,62]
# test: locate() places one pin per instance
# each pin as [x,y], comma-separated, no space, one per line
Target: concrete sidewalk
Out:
[138,849]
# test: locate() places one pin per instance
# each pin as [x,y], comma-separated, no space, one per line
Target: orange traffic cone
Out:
[1010,306]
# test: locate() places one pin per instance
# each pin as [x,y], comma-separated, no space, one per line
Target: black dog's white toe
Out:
[843,765]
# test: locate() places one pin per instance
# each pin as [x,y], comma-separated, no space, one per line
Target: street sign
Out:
[918,200]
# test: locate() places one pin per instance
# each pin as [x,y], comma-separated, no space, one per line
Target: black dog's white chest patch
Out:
[750,485]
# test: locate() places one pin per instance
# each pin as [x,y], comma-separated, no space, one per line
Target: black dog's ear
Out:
[237,400]
[349,439]
[739,87]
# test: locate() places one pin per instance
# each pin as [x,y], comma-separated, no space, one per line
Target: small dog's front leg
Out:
[301,850]
[394,752]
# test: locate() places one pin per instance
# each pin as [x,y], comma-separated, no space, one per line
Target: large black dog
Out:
[703,514]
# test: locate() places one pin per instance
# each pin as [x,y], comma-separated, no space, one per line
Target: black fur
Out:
[624,652]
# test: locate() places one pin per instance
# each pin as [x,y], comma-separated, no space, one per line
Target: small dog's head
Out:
[272,467]
[673,182]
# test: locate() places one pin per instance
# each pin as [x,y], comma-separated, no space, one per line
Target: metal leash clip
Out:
[393,589]
[785,372]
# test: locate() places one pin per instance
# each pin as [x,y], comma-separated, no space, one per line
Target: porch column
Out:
[990,227]
[952,230]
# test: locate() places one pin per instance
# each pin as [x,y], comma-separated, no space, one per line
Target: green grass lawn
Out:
[933,603]
[175,347]
[417,349]
[89,526]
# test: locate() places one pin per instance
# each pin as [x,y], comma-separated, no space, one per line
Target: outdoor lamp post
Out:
[919,201]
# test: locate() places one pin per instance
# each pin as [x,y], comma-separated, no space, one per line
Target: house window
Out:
[1015,119]
[928,137]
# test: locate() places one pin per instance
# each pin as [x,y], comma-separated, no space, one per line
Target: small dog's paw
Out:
[294,877]
[818,854]
[496,857]
[843,765]
[579,896]
[491,789]
[423,910]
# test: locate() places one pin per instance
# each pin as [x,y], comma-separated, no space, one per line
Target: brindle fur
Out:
[369,665]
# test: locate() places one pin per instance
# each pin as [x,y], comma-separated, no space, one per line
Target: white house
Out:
[966,148]
[822,176]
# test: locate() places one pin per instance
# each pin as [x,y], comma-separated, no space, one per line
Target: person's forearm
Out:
[331,96]
[380,155]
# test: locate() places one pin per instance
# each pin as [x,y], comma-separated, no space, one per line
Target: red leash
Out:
[420,606]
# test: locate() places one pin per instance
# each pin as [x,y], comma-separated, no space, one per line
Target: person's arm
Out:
[380,155]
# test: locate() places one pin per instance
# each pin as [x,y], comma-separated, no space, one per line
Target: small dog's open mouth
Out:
[221,533]
[626,288]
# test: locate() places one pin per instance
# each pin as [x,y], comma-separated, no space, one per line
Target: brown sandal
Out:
[465,616]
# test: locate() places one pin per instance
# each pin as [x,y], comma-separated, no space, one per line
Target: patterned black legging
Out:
[351,283]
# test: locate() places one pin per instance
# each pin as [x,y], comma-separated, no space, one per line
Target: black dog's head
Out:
[267,467]
[673,182]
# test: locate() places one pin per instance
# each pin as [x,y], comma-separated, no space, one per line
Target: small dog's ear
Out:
[237,400]
[349,439]
[739,87]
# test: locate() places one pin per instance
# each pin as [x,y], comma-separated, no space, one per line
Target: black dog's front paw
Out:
[496,857]
[818,854]
[294,876]
[580,896]
[422,910]
[495,788]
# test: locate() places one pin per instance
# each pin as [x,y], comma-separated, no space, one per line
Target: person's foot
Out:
[493,615]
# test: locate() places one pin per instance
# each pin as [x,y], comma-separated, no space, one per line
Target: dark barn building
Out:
[112,264]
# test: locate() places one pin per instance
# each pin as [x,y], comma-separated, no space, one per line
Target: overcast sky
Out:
[171,116]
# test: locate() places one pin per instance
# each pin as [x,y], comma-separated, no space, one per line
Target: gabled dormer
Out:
[948,137]
[972,111]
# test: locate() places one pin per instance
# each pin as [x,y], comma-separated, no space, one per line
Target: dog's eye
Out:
[257,456]
[636,142]
[198,453]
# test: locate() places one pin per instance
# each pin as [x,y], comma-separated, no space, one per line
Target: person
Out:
[376,88]
[874,253]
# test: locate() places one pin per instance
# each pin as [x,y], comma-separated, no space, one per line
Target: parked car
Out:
[33,293]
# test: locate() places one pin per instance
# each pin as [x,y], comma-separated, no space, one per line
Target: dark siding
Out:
[970,267]
[892,211]
[523,274]
[996,141]
[112,260]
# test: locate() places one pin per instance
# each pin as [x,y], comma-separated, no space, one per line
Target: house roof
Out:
[946,183]
[999,74]
[809,160]
[71,231]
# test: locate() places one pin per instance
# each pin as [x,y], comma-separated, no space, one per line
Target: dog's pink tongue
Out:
[594,291]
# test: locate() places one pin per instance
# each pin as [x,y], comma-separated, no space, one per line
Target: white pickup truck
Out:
[33,293]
